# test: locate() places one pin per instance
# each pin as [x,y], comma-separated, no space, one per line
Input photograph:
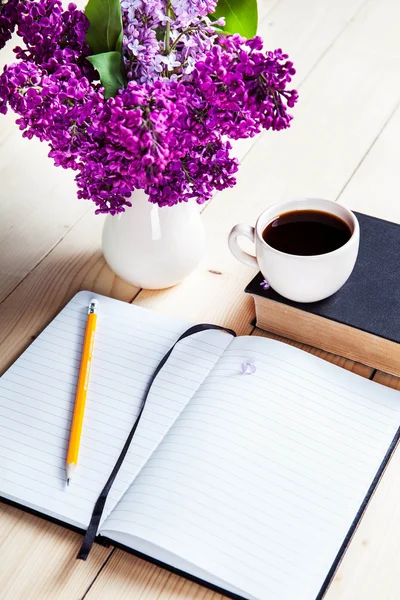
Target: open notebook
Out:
[250,483]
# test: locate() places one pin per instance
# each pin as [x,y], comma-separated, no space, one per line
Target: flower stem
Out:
[188,30]
[168,29]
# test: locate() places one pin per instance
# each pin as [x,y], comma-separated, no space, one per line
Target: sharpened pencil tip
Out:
[68,480]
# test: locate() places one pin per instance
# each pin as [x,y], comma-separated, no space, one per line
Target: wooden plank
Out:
[264,7]
[36,212]
[371,565]
[76,263]
[38,201]
[132,578]
[374,187]
[305,30]
[37,559]
[332,125]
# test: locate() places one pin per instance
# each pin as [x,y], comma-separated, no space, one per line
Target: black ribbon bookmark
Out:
[91,531]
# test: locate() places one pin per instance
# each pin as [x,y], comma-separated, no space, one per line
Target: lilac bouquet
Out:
[142,94]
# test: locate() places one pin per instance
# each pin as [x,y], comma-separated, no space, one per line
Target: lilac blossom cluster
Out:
[8,19]
[189,35]
[167,131]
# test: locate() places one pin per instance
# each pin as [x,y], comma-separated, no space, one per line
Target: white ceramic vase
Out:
[152,247]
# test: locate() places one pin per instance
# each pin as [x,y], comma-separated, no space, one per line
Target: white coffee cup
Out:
[299,278]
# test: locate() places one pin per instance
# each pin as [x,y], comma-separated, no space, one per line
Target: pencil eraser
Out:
[93,304]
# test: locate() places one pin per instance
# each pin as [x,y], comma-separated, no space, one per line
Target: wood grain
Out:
[37,559]
[36,211]
[347,58]
[76,263]
[305,30]
[38,202]
[129,577]
[264,8]
[373,189]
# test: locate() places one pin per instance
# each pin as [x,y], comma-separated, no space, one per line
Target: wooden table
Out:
[344,145]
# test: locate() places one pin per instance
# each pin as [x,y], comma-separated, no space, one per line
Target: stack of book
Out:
[362,320]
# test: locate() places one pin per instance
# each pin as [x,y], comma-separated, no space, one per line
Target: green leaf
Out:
[105,31]
[241,16]
[110,67]
[119,41]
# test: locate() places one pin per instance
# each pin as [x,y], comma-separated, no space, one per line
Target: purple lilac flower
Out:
[8,20]
[141,148]
[52,36]
[265,285]
[134,130]
[191,35]
[245,88]
[248,366]
[195,175]
[191,12]
[166,131]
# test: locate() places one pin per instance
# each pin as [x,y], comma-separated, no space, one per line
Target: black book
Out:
[362,320]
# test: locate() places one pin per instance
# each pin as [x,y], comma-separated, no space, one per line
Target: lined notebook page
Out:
[187,367]
[260,478]
[37,396]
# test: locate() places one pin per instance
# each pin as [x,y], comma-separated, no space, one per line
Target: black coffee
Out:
[307,232]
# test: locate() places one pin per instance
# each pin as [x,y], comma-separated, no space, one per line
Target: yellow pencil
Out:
[81,391]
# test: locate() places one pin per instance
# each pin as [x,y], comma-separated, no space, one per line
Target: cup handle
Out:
[236,250]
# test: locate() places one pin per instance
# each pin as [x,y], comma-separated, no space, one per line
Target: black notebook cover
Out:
[370,299]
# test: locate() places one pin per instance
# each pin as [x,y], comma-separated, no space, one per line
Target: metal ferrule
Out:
[93,306]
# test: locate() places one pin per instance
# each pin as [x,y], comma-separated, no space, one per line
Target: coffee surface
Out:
[306,232]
